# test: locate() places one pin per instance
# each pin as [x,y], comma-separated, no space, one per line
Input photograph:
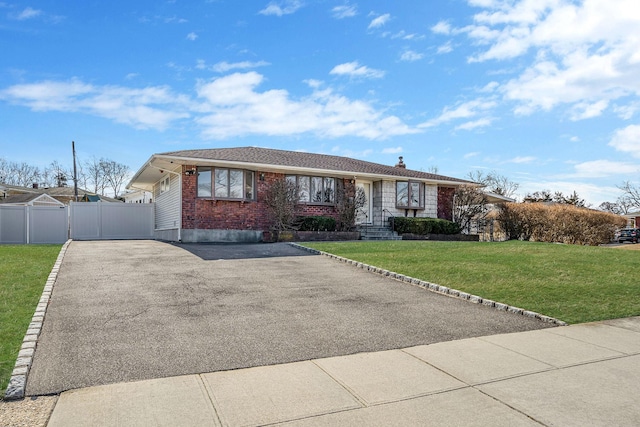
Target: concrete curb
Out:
[18,382]
[433,287]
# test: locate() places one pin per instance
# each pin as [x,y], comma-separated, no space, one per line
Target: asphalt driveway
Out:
[130,310]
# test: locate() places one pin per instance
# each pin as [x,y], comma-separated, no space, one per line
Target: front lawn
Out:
[23,273]
[572,283]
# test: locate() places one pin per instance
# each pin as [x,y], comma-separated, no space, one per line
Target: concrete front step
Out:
[377,233]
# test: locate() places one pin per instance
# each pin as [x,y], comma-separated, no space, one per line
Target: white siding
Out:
[168,204]
[430,201]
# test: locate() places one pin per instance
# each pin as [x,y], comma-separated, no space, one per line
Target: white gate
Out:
[112,221]
[33,224]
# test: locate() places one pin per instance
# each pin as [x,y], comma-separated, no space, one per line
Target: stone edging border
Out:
[18,382]
[443,290]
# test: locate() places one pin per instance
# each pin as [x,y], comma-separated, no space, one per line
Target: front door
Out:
[364,209]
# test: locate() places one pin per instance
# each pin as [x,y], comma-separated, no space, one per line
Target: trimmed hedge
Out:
[315,223]
[423,226]
[558,223]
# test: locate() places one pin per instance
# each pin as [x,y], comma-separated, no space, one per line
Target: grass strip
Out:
[575,284]
[23,273]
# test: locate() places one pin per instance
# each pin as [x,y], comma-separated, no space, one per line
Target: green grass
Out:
[572,283]
[23,273]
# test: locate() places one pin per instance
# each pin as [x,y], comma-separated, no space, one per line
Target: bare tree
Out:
[95,175]
[350,199]
[469,204]
[56,175]
[631,193]
[494,183]
[4,170]
[281,197]
[23,174]
[115,174]
[82,176]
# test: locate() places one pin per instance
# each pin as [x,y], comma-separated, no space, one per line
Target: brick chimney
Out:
[35,185]
[400,163]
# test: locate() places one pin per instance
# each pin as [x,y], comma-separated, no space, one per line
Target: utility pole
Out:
[75,173]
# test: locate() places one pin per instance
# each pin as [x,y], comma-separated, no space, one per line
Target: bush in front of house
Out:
[424,226]
[558,223]
[315,223]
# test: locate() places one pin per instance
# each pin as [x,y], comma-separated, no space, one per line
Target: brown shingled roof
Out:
[268,156]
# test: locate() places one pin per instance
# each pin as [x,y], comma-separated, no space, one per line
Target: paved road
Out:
[131,310]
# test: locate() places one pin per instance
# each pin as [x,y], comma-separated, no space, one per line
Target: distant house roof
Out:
[30,199]
[276,160]
[91,198]
[62,194]
[498,198]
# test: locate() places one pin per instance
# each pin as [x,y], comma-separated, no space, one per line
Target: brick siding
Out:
[445,202]
[209,214]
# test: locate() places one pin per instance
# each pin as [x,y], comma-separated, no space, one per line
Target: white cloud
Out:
[522,159]
[442,27]
[354,69]
[627,140]
[490,87]
[313,83]
[475,124]
[470,155]
[404,36]
[626,112]
[225,107]
[410,55]
[192,36]
[603,168]
[586,54]
[445,48]
[392,150]
[223,67]
[233,107]
[28,13]
[585,110]
[379,21]
[148,108]
[344,11]
[464,110]
[284,7]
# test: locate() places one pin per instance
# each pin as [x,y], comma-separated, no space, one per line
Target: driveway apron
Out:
[132,310]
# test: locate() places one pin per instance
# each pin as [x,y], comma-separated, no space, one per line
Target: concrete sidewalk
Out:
[586,374]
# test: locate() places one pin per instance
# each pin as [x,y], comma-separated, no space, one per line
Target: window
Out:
[204,182]
[314,189]
[226,183]
[409,195]
[165,185]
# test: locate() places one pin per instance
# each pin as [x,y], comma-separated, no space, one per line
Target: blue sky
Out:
[544,92]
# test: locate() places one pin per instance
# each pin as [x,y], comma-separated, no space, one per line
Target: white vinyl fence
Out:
[112,221]
[79,221]
[34,224]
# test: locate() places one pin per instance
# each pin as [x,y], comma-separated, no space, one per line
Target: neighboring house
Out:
[30,199]
[633,219]
[62,194]
[218,194]
[138,196]
[67,194]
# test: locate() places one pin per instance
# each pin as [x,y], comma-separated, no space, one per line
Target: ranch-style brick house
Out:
[218,195]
